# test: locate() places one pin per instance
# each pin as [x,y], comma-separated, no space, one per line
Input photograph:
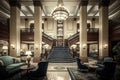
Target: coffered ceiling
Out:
[73,6]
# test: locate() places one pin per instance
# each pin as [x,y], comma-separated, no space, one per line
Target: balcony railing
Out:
[27,30]
[93,30]
[31,30]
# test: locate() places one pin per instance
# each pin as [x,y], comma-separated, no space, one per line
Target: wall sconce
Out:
[74,46]
[13,46]
[105,46]
[46,46]
[84,46]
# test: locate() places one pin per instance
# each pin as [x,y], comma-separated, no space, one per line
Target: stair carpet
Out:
[60,54]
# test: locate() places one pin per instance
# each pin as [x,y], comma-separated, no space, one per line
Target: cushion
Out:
[13,66]
[108,59]
[1,63]
[7,60]
[17,60]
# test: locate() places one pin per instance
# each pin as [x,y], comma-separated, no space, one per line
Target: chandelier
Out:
[60,12]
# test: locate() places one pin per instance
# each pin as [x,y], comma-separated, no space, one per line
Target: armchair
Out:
[107,71]
[81,67]
[106,59]
[40,73]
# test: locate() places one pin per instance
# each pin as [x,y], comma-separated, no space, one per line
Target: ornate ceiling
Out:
[27,8]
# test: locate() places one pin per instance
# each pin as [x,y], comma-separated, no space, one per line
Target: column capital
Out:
[93,19]
[84,2]
[36,3]
[26,19]
[15,3]
[104,3]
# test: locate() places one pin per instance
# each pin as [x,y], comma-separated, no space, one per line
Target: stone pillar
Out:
[83,31]
[103,29]
[14,29]
[37,30]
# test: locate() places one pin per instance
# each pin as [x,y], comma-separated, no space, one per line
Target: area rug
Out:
[75,74]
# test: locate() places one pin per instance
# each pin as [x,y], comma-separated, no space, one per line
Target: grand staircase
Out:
[60,55]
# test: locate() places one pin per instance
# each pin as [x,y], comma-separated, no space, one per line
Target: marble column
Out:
[103,29]
[14,29]
[37,30]
[83,31]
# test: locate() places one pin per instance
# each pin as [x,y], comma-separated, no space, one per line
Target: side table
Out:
[25,67]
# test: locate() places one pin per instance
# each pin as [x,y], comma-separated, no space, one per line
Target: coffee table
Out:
[92,67]
[26,67]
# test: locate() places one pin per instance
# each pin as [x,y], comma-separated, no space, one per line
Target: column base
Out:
[84,59]
[101,58]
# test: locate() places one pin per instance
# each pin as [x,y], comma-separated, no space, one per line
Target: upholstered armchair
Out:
[106,59]
[81,67]
[107,72]
[39,73]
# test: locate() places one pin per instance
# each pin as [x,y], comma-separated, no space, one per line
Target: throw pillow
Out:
[17,60]
[1,63]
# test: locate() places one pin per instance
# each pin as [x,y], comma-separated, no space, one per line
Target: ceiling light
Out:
[60,12]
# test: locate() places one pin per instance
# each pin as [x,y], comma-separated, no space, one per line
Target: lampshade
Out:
[60,12]
[4,47]
[28,53]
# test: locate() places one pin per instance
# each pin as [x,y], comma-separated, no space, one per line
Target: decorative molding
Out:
[84,2]
[104,3]
[15,3]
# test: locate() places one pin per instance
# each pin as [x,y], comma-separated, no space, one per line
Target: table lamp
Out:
[28,53]
[5,48]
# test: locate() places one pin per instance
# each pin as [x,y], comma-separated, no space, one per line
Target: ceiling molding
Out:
[90,9]
[28,8]
[38,3]
[77,10]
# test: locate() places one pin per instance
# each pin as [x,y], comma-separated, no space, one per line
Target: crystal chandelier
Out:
[60,12]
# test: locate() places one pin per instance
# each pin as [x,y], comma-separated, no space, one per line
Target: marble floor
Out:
[58,71]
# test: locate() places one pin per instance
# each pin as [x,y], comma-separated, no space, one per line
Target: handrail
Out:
[73,36]
[46,36]
[93,30]
[90,30]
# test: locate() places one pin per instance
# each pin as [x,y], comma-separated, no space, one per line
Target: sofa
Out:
[9,65]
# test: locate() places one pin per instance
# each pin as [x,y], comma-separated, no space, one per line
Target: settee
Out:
[9,65]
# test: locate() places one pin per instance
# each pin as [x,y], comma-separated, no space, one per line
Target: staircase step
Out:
[60,54]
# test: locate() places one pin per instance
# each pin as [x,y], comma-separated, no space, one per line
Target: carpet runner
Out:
[60,55]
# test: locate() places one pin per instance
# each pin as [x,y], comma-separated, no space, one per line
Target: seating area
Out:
[83,70]
[39,74]
[9,66]
[108,71]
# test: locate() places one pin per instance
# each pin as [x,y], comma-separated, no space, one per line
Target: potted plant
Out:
[116,51]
